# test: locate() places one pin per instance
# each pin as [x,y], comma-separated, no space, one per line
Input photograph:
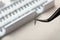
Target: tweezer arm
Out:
[56,14]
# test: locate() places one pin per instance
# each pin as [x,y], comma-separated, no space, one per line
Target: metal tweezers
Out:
[56,14]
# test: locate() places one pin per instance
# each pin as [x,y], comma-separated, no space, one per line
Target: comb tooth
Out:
[27,5]
[1,4]
[7,15]
[0,29]
[0,12]
[19,9]
[0,20]
[8,7]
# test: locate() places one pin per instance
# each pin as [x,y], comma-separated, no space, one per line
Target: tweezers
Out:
[56,14]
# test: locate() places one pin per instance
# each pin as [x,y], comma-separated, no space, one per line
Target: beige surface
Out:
[40,31]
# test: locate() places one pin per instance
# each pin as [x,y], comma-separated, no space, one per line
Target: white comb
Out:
[20,12]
